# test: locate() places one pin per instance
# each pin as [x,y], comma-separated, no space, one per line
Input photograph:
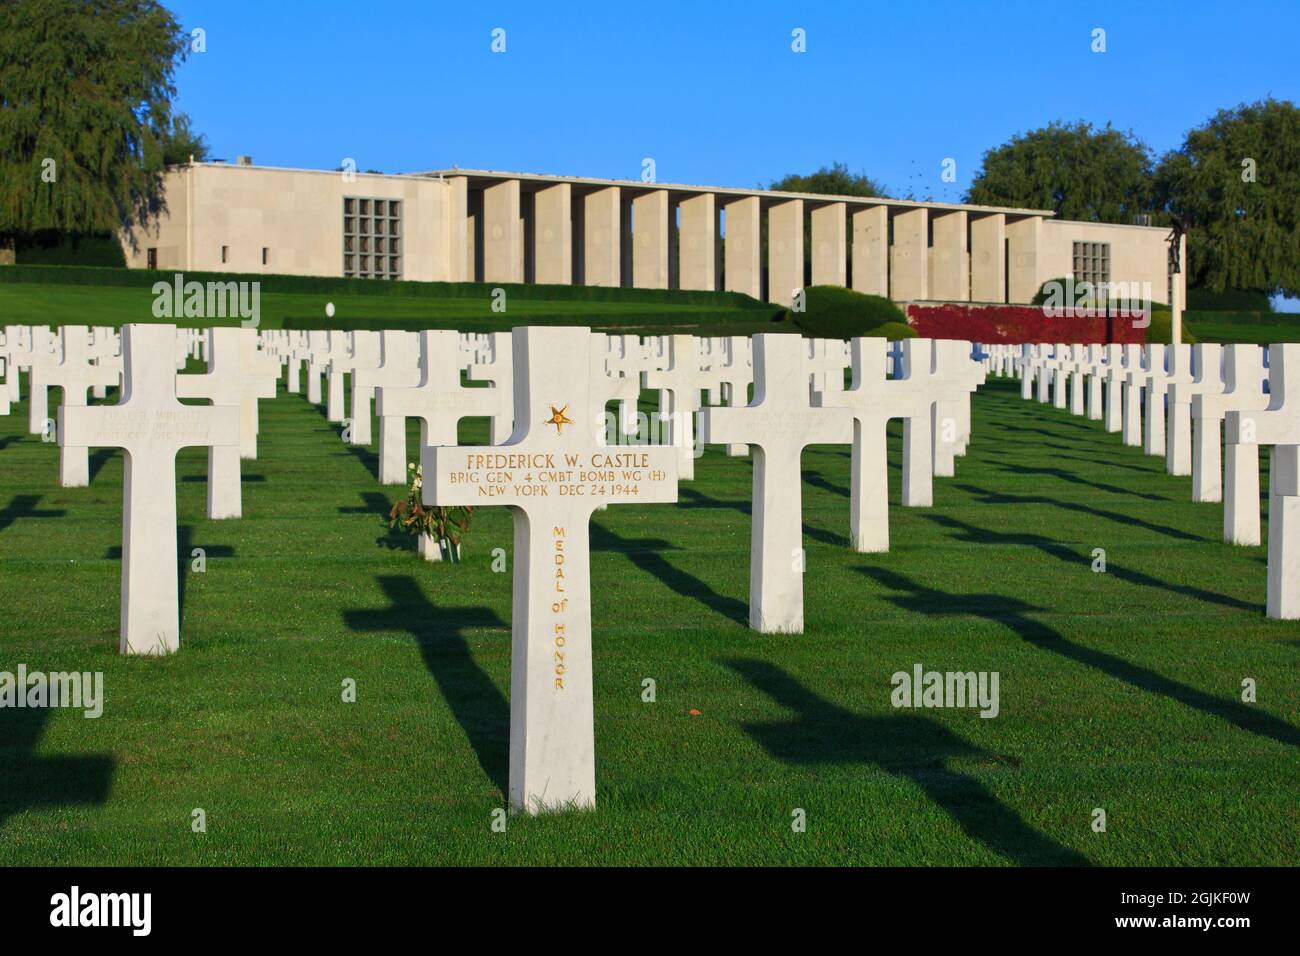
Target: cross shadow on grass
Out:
[32,781]
[362,453]
[24,506]
[646,554]
[1017,616]
[1062,475]
[987,497]
[975,535]
[475,702]
[912,747]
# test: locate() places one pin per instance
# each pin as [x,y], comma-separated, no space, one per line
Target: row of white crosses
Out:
[554,469]
[1185,402]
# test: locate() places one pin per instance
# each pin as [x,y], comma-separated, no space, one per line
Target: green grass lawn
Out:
[47,297]
[1119,690]
[1261,328]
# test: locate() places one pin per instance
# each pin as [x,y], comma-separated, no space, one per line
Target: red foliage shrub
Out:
[1015,324]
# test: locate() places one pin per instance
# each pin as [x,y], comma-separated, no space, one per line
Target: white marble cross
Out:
[956,376]
[398,367]
[551,474]
[628,356]
[229,382]
[777,425]
[439,401]
[318,347]
[75,375]
[1241,389]
[735,374]
[496,361]
[41,348]
[339,360]
[1167,365]
[1277,425]
[365,357]
[874,400]
[150,425]
[1137,368]
[1095,370]
[680,385]
[1207,360]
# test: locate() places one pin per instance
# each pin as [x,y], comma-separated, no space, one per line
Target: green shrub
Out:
[1041,295]
[1229,300]
[834,313]
[894,331]
[1162,328]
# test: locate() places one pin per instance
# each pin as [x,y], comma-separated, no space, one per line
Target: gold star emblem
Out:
[558,418]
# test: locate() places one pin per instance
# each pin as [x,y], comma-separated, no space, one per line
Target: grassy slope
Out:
[1118,690]
[65,303]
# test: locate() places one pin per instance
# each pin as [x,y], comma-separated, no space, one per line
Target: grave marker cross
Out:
[552,474]
[777,425]
[151,426]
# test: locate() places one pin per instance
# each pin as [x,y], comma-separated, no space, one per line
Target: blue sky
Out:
[710,90]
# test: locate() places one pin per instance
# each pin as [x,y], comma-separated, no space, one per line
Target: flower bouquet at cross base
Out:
[439,528]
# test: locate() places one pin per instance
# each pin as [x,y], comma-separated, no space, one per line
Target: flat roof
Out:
[639,185]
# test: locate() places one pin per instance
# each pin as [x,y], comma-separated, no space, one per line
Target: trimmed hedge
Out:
[56,249]
[832,312]
[1228,300]
[322,285]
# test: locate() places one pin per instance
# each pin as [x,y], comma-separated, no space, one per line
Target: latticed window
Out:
[367,221]
[1092,262]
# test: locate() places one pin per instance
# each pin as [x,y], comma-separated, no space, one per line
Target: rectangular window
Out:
[151,258]
[265,253]
[225,251]
[1091,262]
[371,225]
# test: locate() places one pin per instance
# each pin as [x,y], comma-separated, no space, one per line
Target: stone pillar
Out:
[950,271]
[650,240]
[829,252]
[871,250]
[1178,299]
[502,261]
[744,272]
[602,262]
[784,250]
[553,235]
[988,258]
[698,243]
[457,225]
[909,257]
[1024,239]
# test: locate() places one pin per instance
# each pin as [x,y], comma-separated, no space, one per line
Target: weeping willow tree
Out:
[86,90]
[1235,186]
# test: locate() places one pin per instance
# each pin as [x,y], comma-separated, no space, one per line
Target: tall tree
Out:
[1235,186]
[181,143]
[86,91]
[833,180]
[1078,170]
